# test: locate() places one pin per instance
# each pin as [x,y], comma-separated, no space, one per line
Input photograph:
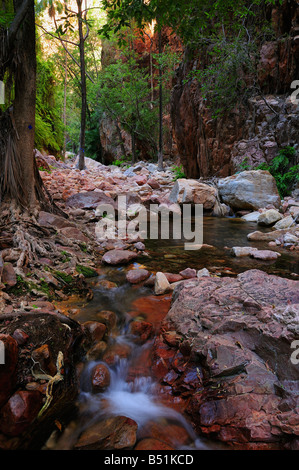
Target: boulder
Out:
[89,200]
[240,333]
[240,251]
[251,217]
[249,190]
[269,217]
[283,223]
[100,378]
[265,254]
[191,191]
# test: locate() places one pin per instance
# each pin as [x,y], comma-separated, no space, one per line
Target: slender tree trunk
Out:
[24,102]
[133,147]
[81,163]
[64,104]
[160,151]
[121,143]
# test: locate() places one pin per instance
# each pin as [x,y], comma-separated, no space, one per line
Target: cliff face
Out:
[255,131]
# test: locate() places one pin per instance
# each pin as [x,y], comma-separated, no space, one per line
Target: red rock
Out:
[135,276]
[173,277]
[100,378]
[111,434]
[20,336]
[115,257]
[96,329]
[153,308]
[8,369]
[9,277]
[141,180]
[143,330]
[115,352]
[153,183]
[188,273]
[152,444]
[108,318]
[20,411]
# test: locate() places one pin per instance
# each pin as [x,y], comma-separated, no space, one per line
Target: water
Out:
[137,397]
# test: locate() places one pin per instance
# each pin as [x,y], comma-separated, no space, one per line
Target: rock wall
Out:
[216,147]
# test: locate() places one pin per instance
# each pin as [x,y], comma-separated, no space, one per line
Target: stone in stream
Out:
[115,257]
[100,378]
[240,251]
[115,433]
[162,285]
[188,273]
[265,255]
[142,330]
[96,330]
[269,217]
[135,276]
[20,411]
[286,222]
[108,318]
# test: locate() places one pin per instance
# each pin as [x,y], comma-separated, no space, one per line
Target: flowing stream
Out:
[132,391]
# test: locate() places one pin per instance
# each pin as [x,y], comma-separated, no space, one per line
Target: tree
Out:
[20,182]
[61,30]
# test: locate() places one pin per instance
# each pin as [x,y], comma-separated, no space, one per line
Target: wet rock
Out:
[265,255]
[96,352]
[108,318]
[188,273]
[249,190]
[153,444]
[135,276]
[115,257]
[142,330]
[100,378]
[269,217]
[96,329]
[161,284]
[173,277]
[19,412]
[116,352]
[270,236]
[111,434]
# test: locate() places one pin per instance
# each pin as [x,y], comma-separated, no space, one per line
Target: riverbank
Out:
[115,287]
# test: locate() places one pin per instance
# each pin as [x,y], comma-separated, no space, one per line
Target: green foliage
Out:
[222,82]
[179,172]
[281,169]
[48,124]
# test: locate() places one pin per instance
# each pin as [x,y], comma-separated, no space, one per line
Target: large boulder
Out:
[191,191]
[249,190]
[238,334]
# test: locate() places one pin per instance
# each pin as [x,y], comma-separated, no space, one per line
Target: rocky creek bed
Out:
[96,333]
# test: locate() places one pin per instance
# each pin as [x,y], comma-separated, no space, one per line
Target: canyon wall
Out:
[254,131]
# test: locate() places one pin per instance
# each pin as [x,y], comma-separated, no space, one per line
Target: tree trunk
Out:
[64,105]
[160,151]
[23,114]
[81,163]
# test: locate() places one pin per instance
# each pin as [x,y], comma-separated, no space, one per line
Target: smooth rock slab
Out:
[240,331]
[115,257]
[111,434]
[265,255]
